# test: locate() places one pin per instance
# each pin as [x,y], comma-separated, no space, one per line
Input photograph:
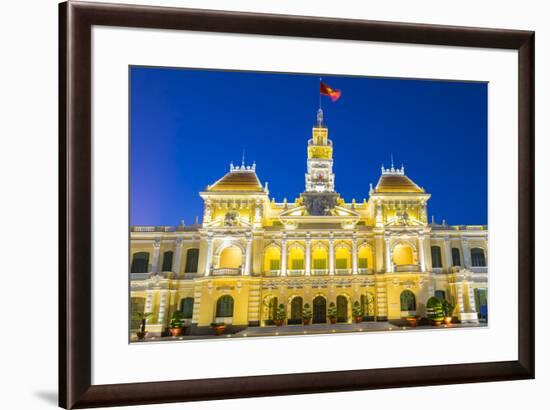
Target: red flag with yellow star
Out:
[330,92]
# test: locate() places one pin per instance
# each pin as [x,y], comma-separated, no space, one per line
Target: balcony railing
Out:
[139,276]
[319,272]
[363,271]
[272,273]
[342,271]
[407,268]
[295,272]
[226,271]
[479,269]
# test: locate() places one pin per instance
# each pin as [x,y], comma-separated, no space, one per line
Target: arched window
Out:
[224,306]
[408,301]
[436,257]
[296,258]
[186,307]
[456,256]
[342,258]
[478,257]
[140,262]
[192,261]
[342,309]
[319,310]
[403,254]
[137,305]
[231,257]
[319,257]
[295,311]
[167,261]
[364,257]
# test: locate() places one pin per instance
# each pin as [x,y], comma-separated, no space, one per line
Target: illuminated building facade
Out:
[252,254]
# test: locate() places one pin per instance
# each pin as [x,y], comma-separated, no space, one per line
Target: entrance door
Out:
[319,310]
[342,309]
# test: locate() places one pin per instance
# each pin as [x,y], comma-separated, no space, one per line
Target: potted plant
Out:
[412,320]
[448,308]
[176,324]
[332,313]
[281,315]
[357,312]
[143,322]
[434,311]
[306,314]
[218,327]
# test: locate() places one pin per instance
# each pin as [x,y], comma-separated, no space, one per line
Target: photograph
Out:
[270,204]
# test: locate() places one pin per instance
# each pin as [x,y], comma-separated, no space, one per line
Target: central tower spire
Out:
[319,176]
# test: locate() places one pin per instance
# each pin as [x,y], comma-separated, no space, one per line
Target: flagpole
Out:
[320,106]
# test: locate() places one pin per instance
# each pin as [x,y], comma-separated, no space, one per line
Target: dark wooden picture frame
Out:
[75,62]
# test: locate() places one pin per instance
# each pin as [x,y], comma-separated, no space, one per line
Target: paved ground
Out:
[312,330]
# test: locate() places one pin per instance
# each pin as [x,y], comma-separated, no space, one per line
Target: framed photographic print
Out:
[260,205]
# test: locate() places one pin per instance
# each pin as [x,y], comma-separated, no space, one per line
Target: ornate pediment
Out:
[403,219]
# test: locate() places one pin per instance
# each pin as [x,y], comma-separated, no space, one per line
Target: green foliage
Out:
[177,320]
[217,324]
[306,312]
[281,312]
[331,310]
[448,308]
[357,309]
[143,319]
[434,309]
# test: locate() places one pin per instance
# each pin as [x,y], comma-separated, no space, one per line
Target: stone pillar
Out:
[149,302]
[448,255]
[421,253]
[156,256]
[389,264]
[208,264]
[459,297]
[248,256]
[379,250]
[466,254]
[177,256]
[162,307]
[283,255]
[354,255]
[308,255]
[331,255]
[471,297]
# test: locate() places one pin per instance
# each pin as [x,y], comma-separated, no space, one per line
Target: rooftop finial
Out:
[392,168]
[242,163]
[320,117]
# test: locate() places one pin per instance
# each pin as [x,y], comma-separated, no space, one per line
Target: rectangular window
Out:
[341,263]
[436,257]
[319,263]
[274,264]
[297,264]
[440,294]
[192,261]
[362,263]
[456,257]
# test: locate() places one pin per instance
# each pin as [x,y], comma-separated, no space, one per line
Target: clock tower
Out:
[319,177]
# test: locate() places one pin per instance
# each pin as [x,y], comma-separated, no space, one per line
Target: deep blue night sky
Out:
[187,125]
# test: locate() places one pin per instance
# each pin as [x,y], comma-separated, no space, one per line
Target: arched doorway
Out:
[270,314]
[224,309]
[408,302]
[295,311]
[342,309]
[319,310]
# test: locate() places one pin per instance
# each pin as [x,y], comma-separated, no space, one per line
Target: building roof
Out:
[395,180]
[241,178]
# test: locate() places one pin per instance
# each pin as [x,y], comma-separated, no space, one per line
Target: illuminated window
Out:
[362,263]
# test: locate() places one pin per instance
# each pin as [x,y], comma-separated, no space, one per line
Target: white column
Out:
[283,256]
[460,296]
[248,256]
[354,255]
[331,255]
[149,302]
[471,296]
[448,255]
[208,264]
[156,256]
[466,254]
[162,307]
[177,256]
[389,264]
[421,254]
[308,255]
